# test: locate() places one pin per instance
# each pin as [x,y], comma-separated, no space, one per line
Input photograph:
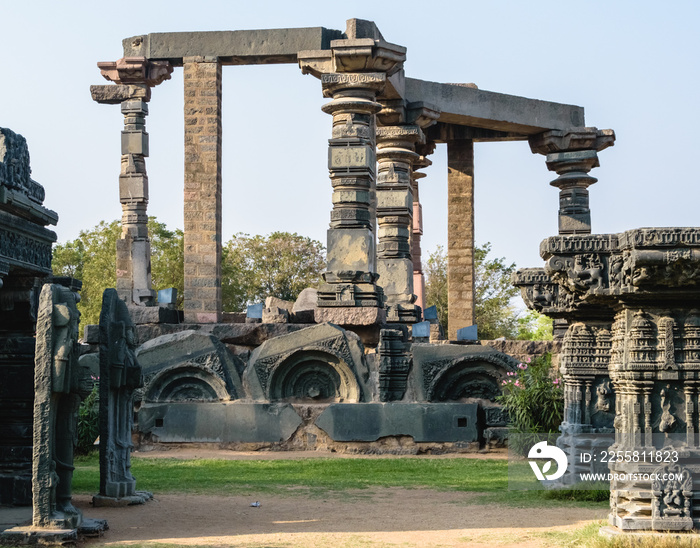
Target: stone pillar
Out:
[460,235]
[135,77]
[417,232]
[572,154]
[395,156]
[351,274]
[202,296]
[134,246]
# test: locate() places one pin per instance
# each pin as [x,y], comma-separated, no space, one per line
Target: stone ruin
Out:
[630,303]
[354,368]
[41,381]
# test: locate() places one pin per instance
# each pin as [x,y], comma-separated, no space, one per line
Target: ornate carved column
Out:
[395,156]
[135,76]
[572,154]
[353,72]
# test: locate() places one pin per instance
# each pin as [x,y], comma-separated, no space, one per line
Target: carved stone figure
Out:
[120,375]
[59,386]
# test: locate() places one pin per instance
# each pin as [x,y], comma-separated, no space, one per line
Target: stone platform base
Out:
[140,497]
[34,536]
[92,527]
[613,532]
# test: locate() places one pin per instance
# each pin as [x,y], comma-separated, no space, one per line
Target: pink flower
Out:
[556,381]
[528,359]
[522,366]
[504,382]
[517,383]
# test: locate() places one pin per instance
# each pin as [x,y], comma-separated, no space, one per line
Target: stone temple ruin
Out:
[355,365]
[358,364]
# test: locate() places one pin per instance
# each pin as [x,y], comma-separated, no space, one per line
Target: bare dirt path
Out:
[380,517]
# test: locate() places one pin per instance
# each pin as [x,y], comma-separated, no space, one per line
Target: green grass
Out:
[323,477]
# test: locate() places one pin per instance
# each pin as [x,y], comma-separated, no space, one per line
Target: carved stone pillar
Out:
[135,76]
[353,72]
[395,156]
[572,154]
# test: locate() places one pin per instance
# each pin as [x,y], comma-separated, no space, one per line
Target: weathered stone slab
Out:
[323,363]
[188,366]
[445,422]
[240,47]
[154,314]
[474,107]
[218,422]
[364,315]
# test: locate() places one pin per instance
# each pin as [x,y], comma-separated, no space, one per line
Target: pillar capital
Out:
[571,154]
[335,83]
[136,70]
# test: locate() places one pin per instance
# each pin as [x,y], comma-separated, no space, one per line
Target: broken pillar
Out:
[134,77]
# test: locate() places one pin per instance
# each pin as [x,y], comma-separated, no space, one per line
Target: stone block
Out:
[467,333]
[357,315]
[351,249]
[396,278]
[275,315]
[430,313]
[421,329]
[229,422]
[495,416]
[272,302]
[255,310]
[133,188]
[424,422]
[153,314]
[135,142]
[496,437]
[306,300]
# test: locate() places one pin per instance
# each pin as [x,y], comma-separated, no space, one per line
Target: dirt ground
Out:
[379,517]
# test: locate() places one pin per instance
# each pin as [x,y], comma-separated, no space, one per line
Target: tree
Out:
[91,257]
[493,312]
[253,267]
[281,265]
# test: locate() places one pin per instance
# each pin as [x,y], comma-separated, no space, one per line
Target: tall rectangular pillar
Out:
[202,297]
[460,235]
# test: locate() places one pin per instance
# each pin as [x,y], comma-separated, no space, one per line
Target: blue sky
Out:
[632,65]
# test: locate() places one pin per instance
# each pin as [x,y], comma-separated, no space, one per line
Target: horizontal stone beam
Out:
[469,106]
[238,47]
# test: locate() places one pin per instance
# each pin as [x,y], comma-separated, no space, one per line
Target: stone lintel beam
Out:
[238,47]
[444,133]
[116,94]
[465,105]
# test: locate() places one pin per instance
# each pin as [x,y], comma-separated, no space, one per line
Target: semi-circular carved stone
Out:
[189,382]
[314,376]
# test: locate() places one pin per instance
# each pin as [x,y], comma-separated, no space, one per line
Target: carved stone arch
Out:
[313,375]
[186,382]
[468,377]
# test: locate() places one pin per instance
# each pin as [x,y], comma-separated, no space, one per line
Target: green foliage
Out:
[436,283]
[89,421]
[280,265]
[493,292]
[533,399]
[534,326]
[92,258]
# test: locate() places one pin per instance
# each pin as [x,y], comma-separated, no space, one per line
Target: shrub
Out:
[533,399]
[89,421]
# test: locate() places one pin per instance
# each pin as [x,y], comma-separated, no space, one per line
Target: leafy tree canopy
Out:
[493,292]
[253,267]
